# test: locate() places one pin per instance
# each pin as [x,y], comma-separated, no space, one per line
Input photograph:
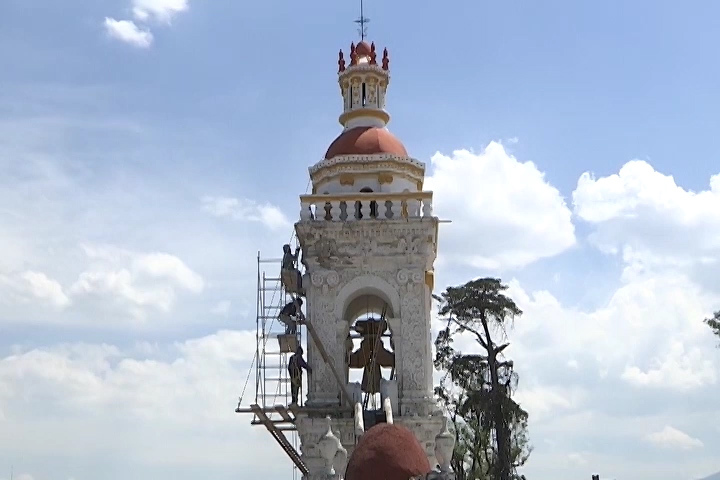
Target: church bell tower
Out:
[369,241]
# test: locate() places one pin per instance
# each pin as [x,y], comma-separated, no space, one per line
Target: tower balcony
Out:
[360,206]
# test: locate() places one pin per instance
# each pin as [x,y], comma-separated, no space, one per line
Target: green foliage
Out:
[714,323]
[490,427]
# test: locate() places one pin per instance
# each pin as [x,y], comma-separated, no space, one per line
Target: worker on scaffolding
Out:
[292,316]
[295,366]
[291,276]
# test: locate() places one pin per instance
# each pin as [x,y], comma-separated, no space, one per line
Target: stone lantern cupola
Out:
[365,156]
[363,85]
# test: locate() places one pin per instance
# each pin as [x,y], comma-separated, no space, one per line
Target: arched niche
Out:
[364,299]
[367,286]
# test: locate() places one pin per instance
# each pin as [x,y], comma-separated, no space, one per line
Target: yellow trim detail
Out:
[347,179]
[384,178]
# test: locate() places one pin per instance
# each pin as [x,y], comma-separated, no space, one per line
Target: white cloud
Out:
[129,32]
[139,280]
[673,438]
[183,394]
[158,10]
[504,213]
[30,286]
[654,223]
[676,369]
[247,210]
[577,459]
[547,401]
[221,308]
[169,267]
[653,321]
[144,12]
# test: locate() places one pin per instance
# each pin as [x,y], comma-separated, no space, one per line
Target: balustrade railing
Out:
[366,206]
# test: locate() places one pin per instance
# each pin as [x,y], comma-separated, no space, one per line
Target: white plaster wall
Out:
[398,185]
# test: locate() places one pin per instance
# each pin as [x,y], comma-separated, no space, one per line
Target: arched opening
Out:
[362,207]
[364,94]
[369,346]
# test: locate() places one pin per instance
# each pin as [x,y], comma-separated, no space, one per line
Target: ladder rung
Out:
[277,379]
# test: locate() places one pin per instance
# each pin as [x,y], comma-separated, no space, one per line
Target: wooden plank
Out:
[323,353]
[284,413]
[281,439]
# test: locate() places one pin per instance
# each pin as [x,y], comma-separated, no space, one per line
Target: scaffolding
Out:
[272,380]
[273,350]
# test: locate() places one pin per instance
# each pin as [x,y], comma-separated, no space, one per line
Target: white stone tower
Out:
[369,241]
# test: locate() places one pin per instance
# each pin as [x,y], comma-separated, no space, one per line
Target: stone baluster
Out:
[427,209]
[413,208]
[343,210]
[353,210]
[384,211]
[335,211]
[305,211]
[396,208]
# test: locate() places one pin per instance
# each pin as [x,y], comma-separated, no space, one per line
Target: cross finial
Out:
[362,21]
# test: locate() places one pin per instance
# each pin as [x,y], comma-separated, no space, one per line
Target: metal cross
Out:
[362,21]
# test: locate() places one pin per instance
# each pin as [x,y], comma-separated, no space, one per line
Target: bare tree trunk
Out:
[502,433]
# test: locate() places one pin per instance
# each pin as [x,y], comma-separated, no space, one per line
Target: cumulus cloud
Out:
[182,393]
[246,210]
[221,308]
[648,333]
[675,368]
[128,32]
[31,286]
[652,222]
[144,12]
[503,211]
[158,10]
[673,438]
[139,280]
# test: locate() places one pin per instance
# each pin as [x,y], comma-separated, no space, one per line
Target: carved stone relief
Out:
[414,329]
[324,285]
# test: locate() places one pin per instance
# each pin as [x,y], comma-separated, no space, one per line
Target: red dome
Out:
[366,141]
[387,452]
[363,48]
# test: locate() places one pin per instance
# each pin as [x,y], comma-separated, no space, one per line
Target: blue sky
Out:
[141,177]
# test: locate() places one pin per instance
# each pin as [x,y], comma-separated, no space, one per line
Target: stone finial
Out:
[373,54]
[353,54]
[444,445]
[359,421]
[340,462]
[329,445]
[385,60]
[341,62]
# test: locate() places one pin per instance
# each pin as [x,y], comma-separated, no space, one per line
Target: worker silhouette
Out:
[292,278]
[292,316]
[295,366]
